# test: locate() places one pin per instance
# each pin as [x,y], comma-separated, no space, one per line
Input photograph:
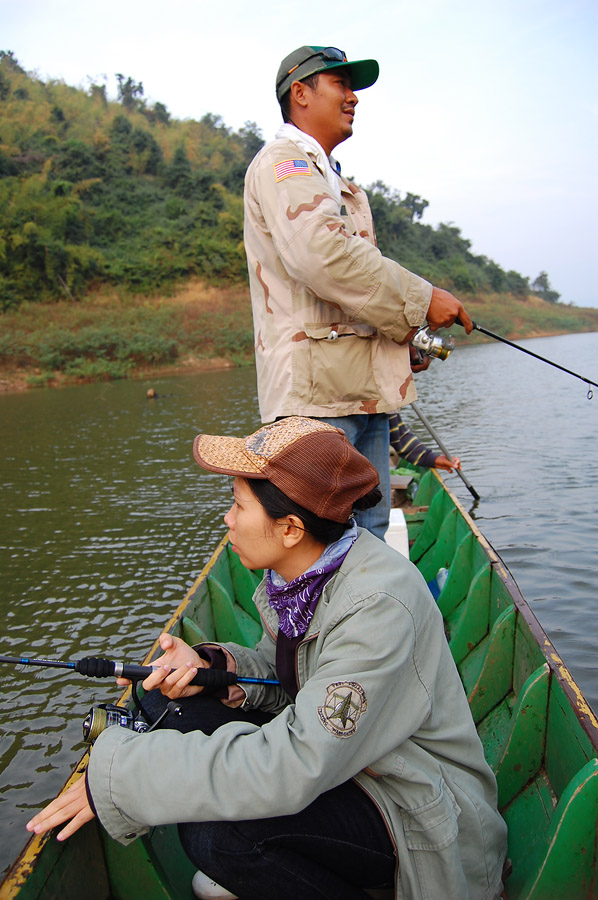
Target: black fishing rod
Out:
[95,667]
[446,452]
[497,337]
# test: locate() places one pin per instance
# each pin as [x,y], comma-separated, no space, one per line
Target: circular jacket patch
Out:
[345,703]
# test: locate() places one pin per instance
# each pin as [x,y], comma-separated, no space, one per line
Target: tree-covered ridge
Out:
[94,191]
[97,192]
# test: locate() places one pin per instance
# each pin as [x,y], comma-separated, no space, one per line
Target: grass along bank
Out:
[111,335]
[518,318]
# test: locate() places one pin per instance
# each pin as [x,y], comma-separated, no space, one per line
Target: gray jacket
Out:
[380,701]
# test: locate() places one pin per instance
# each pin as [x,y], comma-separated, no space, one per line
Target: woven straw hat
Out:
[310,461]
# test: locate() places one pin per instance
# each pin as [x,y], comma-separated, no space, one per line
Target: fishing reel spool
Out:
[104,715]
[432,344]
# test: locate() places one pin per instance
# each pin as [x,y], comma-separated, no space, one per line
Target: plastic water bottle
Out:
[441,578]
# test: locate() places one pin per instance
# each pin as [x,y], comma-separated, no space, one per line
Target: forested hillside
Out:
[121,240]
[96,192]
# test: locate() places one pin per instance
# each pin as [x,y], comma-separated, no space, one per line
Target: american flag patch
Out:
[291,167]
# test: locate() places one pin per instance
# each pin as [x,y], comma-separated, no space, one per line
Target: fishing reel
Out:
[104,715]
[432,344]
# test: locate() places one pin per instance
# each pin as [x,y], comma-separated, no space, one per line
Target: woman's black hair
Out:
[278,505]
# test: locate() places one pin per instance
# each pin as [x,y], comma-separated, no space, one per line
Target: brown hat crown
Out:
[310,461]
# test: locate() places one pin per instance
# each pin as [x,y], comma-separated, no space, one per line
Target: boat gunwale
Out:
[582,709]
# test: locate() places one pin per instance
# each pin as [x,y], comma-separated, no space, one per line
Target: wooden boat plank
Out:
[50,870]
[191,632]
[539,645]
[529,823]
[568,748]
[149,869]
[164,848]
[568,868]
[523,752]
[488,673]
[458,581]
[231,623]
[244,584]
[470,622]
[493,728]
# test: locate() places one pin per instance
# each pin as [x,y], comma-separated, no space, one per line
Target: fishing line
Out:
[497,337]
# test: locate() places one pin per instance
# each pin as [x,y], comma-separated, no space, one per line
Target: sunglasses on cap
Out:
[332,53]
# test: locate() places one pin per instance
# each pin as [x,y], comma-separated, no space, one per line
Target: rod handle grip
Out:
[459,322]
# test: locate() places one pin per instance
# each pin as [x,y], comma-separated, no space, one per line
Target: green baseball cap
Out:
[307,61]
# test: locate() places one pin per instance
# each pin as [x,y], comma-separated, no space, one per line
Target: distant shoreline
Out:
[17,381]
[110,336]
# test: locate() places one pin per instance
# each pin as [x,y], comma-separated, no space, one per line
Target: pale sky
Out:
[486,108]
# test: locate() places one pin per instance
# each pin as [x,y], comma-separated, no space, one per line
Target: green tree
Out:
[541,287]
[496,276]
[516,283]
[415,204]
[251,139]
[8,58]
[179,174]
[129,91]
[161,113]
[4,86]
[98,92]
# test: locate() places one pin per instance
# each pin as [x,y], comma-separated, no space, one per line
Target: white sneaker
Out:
[206,889]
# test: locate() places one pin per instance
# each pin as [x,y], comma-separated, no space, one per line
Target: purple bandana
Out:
[295,601]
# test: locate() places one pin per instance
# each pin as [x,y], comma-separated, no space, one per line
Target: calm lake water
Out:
[106,521]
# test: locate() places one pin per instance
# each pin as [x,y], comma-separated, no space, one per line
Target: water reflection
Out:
[106,522]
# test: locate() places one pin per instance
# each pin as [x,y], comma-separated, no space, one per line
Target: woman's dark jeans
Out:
[331,850]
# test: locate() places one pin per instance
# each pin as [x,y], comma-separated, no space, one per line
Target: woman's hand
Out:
[71,806]
[178,666]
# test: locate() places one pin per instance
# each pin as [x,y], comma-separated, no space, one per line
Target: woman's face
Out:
[253,535]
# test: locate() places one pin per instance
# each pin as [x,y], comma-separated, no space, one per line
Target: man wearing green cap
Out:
[332,316]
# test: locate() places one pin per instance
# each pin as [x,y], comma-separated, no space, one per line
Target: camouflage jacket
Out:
[330,311]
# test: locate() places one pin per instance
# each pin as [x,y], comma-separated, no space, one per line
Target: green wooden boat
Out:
[539,733]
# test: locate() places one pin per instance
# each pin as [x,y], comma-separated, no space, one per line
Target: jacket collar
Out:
[326,164]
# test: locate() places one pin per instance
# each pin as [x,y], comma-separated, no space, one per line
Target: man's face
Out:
[331,108]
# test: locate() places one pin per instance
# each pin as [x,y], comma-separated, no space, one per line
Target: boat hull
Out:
[539,734]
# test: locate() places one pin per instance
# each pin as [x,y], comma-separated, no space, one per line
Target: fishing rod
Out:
[434,434]
[95,667]
[497,337]
[104,715]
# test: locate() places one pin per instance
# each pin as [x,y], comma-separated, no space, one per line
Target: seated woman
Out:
[362,769]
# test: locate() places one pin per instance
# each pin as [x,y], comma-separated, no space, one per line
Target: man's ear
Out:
[299,93]
[293,532]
